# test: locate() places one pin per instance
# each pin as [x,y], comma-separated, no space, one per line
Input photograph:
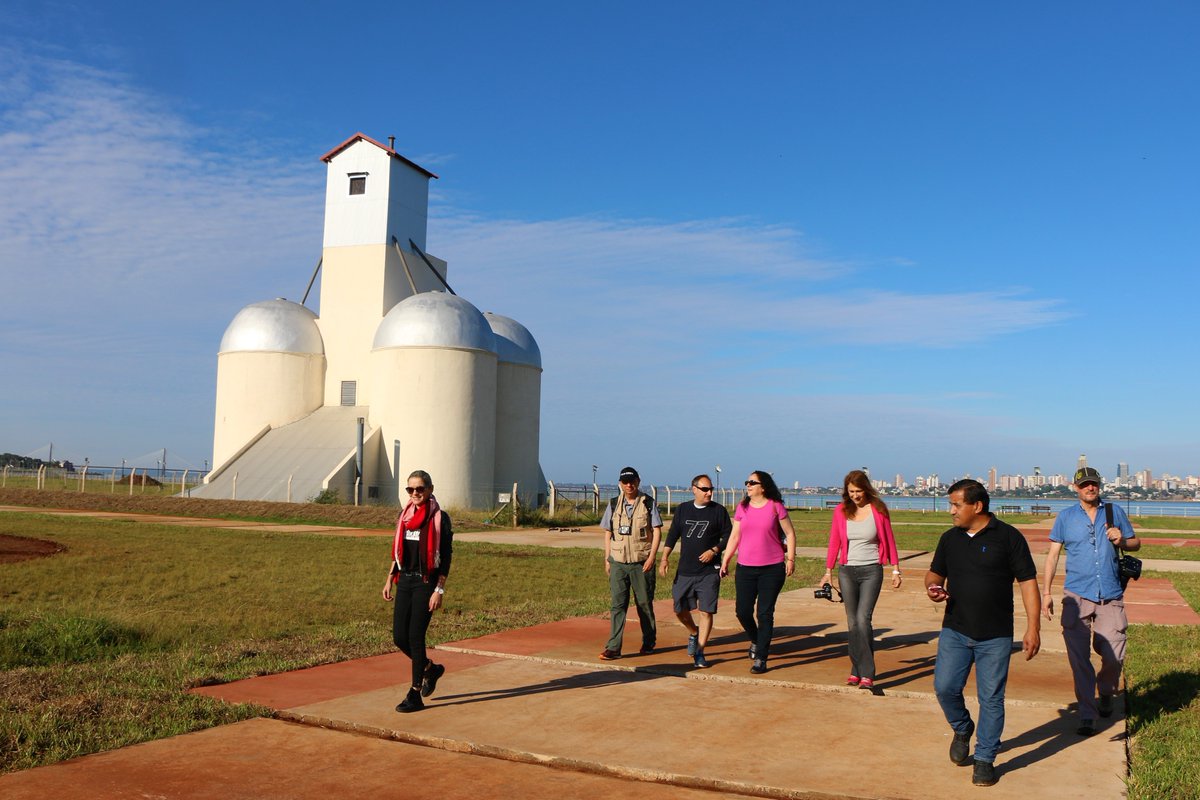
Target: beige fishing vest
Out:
[636,546]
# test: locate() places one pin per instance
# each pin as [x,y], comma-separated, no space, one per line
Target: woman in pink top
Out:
[860,543]
[765,543]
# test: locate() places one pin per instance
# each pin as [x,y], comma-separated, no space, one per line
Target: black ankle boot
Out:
[412,702]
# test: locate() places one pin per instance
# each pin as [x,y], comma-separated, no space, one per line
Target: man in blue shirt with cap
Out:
[1093,604]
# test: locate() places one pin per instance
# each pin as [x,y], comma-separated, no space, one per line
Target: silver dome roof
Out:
[274,326]
[435,319]
[514,342]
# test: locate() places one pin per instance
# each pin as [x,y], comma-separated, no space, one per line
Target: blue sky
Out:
[802,237]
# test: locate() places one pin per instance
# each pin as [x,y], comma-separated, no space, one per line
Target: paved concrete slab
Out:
[265,758]
[539,695]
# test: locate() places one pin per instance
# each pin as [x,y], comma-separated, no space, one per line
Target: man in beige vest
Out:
[632,530]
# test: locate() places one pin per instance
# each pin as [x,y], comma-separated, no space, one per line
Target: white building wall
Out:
[256,389]
[441,404]
[518,426]
[395,202]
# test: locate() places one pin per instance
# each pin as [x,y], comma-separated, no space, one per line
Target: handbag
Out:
[1128,567]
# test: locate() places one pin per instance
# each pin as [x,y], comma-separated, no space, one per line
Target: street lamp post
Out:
[594,468]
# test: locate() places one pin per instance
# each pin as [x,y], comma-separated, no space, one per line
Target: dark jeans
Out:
[761,586]
[860,590]
[410,620]
[955,655]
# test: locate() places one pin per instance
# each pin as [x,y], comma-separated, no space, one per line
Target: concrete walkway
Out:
[532,713]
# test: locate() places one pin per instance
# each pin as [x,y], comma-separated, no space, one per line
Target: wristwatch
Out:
[439,589]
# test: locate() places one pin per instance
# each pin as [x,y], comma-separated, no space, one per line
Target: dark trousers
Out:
[410,620]
[761,586]
[860,590]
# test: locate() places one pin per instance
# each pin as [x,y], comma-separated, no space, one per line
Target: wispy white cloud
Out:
[113,202]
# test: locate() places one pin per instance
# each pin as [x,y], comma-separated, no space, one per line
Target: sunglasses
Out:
[702,488]
[754,483]
[415,489]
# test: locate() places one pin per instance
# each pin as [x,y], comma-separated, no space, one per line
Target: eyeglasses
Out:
[754,483]
[702,488]
[416,489]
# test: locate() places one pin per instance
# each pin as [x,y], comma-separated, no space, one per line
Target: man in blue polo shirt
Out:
[972,571]
[1093,605]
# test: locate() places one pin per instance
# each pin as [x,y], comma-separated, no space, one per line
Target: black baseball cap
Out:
[629,475]
[1088,475]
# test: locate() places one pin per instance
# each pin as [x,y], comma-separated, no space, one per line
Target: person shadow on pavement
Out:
[587,680]
[1053,737]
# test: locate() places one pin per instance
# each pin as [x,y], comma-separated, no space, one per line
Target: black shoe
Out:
[985,774]
[1106,705]
[759,666]
[700,661]
[1086,727]
[960,748]
[429,682]
[647,649]
[412,702]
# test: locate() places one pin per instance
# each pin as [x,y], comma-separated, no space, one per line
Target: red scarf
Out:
[416,516]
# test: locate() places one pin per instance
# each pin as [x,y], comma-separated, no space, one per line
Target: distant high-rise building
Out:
[1146,479]
[1122,474]
[899,481]
[992,479]
[1082,462]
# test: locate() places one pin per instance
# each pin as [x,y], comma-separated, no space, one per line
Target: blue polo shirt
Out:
[1091,557]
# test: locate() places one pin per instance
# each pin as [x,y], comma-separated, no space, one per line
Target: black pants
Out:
[760,585]
[410,620]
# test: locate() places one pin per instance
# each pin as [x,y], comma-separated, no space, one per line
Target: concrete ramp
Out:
[307,451]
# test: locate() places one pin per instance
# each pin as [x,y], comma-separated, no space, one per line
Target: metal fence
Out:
[89,478]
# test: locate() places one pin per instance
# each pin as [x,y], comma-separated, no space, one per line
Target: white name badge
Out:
[413,536]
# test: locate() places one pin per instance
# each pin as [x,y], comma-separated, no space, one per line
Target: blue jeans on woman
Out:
[758,586]
[955,654]
[860,591]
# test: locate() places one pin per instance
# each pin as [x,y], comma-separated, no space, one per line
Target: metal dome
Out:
[435,319]
[273,326]
[514,342]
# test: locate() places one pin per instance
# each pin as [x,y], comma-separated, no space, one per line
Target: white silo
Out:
[433,369]
[518,408]
[270,372]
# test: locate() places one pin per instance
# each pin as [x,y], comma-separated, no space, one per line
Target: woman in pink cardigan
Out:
[861,542]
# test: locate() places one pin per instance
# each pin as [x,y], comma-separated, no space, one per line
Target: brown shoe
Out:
[609,655]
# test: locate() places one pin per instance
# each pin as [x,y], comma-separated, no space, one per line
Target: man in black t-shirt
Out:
[973,570]
[704,527]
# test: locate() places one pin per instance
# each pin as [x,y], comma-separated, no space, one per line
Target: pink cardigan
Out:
[839,544]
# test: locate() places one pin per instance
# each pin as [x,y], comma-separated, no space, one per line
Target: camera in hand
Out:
[824,593]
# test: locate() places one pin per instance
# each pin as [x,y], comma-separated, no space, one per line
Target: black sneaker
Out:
[693,644]
[429,682]
[759,666]
[985,774]
[412,702]
[1086,727]
[1106,705]
[700,661]
[960,748]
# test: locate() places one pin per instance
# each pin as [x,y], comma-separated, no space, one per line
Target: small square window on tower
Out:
[358,183]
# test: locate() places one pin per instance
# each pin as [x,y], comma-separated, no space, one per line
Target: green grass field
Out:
[98,644]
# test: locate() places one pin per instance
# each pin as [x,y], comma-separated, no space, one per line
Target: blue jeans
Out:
[860,590]
[955,654]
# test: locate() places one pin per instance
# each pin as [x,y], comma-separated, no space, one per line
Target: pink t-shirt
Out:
[760,545]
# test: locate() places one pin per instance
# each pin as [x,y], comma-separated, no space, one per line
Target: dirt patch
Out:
[19,548]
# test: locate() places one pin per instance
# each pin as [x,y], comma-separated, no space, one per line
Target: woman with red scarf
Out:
[420,563]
